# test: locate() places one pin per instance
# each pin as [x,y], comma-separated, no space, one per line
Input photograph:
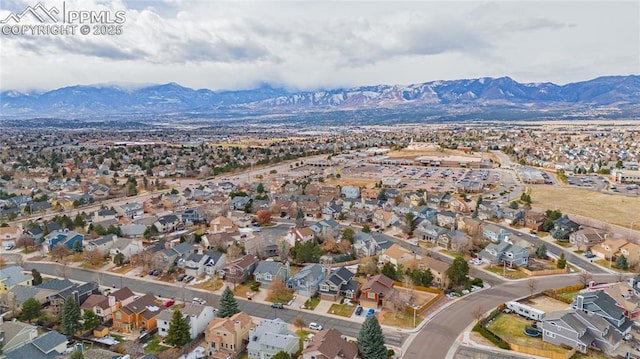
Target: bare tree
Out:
[584,278]
[234,252]
[299,322]
[24,241]
[60,251]
[478,312]
[532,284]
[93,257]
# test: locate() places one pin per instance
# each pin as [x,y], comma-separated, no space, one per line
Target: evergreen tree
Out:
[389,270]
[366,229]
[562,262]
[371,340]
[228,304]
[178,334]
[541,252]
[31,309]
[621,263]
[70,317]
[458,271]
[91,320]
[37,278]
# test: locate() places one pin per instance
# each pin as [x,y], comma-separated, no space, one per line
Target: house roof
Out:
[48,341]
[329,342]
[12,329]
[435,264]
[395,251]
[94,300]
[169,218]
[56,284]
[122,294]
[104,239]
[380,284]
[244,261]
[312,270]
[228,323]
[270,267]
[13,275]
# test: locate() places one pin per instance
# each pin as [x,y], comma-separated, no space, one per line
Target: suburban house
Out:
[326,228]
[295,234]
[193,264]
[307,281]
[505,252]
[105,305]
[104,214]
[238,203]
[626,298]
[339,283]
[239,270]
[228,336]
[102,244]
[494,233]
[191,216]
[167,223]
[631,252]
[587,237]
[579,330]
[166,259]
[12,276]
[398,255]
[133,230]
[70,239]
[267,271]
[601,304]
[534,220]
[608,249]
[456,240]
[426,231]
[79,292]
[9,235]
[383,218]
[350,192]
[446,219]
[563,227]
[222,224]
[370,244]
[198,316]
[49,345]
[16,333]
[438,270]
[127,246]
[269,337]
[142,313]
[375,291]
[131,210]
[330,344]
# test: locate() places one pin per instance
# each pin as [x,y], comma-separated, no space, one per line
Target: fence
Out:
[537,273]
[554,293]
[439,294]
[541,352]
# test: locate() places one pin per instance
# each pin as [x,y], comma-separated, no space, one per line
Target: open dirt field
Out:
[614,209]
[546,304]
[368,183]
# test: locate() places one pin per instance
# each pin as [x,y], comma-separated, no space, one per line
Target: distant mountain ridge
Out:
[440,96]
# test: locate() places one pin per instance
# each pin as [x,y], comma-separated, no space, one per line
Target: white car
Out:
[315,326]
[200,301]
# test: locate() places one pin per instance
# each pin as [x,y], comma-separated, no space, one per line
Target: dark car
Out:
[358,310]
[181,277]
[277,305]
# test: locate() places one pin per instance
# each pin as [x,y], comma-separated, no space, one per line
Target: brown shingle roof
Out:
[122,294]
[380,284]
[92,301]
[329,342]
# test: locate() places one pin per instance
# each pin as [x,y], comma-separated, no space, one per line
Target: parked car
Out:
[315,326]
[359,310]
[181,277]
[169,302]
[8,247]
[370,312]
[588,254]
[277,305]
[188,278]
[200,301]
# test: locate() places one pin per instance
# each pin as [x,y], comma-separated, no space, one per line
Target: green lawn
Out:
[401,319]
[455,254]
[312,303]
[563,244]
[342,310]
[511,329]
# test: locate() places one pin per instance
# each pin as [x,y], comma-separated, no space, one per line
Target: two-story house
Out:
[505,252]
[608,249]
[9,235]
[198,316]
[167,223]
[438,270]
[239,270]
[79,292]
[330,344]
[563,227]
[267,271]
[384,219]
[127,246]
[167,258]
[398,255]
[579,330]
[307,281]
[631,252]
[105,305]
[270,337]
[302,235]
[131,210]
[534,220]
[70,239]
[192,216]
[601,304]
[227,335]
[587,237]
[339,283]
[350,192]
[142,313]
[446,219]
[12,276]
[102,244]
[375,292]
[326,228]
[494,233]
[222,224]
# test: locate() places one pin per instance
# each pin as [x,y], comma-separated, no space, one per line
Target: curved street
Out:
[439,335]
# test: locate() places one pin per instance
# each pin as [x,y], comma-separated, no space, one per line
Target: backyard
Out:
[400,319]
[510,272]
[510,328]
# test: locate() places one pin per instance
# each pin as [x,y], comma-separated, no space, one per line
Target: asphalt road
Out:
[440,333]
[166,290]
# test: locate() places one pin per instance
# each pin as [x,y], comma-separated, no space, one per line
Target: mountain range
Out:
[607,97]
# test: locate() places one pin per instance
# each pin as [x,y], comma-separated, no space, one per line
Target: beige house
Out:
[631,252]
[398,255]
[438,269]
[383,218]
[222,225]
[227,335]
[608,249]
[9,235]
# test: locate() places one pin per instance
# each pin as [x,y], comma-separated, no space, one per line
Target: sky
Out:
[308,45]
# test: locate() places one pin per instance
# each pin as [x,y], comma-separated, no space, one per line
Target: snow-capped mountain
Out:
[96,101]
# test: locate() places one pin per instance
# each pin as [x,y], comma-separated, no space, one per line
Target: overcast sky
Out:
[327,44]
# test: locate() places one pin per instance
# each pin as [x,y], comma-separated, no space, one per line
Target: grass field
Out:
[511,329]
[342,310]
[400,319]
[614,209]
[499,270]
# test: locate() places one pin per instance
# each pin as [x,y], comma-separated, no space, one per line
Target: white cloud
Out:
[325,44]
